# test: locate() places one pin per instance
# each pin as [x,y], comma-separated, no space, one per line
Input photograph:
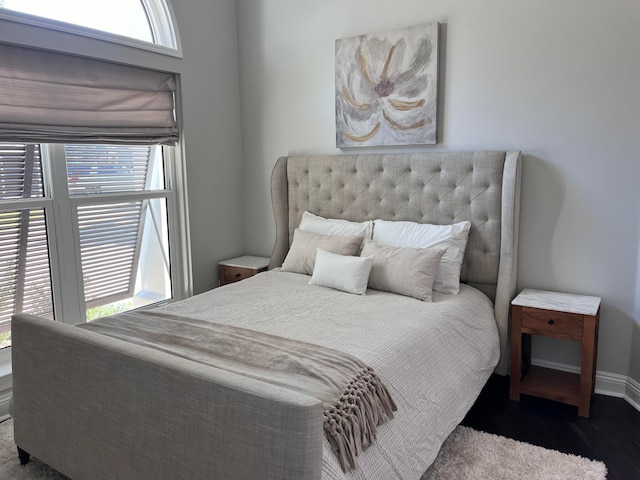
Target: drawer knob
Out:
[550,321]
[237,275]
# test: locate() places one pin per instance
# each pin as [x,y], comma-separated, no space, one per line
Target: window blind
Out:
[110,233]
[25,277]
[110,237]
[56,98]
[106,168]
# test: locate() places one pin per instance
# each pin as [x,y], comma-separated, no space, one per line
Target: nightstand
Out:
[239,268]
[556,315]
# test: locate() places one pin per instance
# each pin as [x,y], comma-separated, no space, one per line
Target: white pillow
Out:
[340,272]
[335,226]
[423,235]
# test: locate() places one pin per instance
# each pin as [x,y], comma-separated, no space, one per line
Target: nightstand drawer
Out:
[550,321]
[235,274]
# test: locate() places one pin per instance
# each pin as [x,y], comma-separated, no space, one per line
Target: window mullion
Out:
[178,223]
[23,238]
[66,268]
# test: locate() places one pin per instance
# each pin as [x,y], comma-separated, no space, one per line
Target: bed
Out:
[100,407]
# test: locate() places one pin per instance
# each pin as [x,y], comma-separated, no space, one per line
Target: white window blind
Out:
[107,168]
[25,277]
[110,237]
[110,233]
[20,171]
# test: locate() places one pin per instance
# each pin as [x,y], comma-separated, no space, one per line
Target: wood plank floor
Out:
[611,434]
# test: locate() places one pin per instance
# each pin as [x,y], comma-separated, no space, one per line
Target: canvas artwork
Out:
[386,88]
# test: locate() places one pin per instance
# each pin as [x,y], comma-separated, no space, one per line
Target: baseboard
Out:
[633,393]
[610,384]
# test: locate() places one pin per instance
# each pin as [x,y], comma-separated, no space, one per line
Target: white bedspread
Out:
[434,357]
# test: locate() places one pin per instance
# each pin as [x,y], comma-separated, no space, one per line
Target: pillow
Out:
[348,274]
[302,253]
[403,270]
[423,235]
[334,226]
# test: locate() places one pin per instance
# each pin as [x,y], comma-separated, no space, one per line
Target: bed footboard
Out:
[133,412]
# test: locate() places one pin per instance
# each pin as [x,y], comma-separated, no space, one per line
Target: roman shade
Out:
[50,97]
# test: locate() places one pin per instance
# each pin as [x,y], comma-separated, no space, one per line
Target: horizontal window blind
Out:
[110,233]
[109,249]
[106,168]
[56,98]
[25,276]
[20,171]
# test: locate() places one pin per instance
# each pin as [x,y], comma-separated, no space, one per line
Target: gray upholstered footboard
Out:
[132,412]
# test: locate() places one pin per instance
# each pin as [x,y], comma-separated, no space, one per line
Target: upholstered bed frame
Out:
[439,188]
[98,407]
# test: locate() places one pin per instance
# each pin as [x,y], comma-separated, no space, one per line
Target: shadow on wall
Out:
[543,193]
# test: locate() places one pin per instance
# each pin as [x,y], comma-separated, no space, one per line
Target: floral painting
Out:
[386,88]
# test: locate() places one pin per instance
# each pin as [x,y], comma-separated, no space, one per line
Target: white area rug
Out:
[466,455]
[469,454]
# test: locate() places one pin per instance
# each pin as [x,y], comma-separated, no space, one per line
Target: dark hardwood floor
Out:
[611,434]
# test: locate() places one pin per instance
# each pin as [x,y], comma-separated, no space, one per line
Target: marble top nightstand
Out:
[562,302]
[239,268]
[556,315]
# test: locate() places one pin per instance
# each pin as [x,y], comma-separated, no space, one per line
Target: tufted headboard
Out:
[438,188]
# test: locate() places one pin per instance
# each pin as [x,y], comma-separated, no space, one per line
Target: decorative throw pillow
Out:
[424,235]
[403,270]
[335,226]
[302,253]
[340,272]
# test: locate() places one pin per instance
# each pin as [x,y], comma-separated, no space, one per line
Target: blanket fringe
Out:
[351,423]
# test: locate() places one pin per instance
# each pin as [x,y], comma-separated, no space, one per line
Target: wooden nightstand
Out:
[239,268]
[556,315]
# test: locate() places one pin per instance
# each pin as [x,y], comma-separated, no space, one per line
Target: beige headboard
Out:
[439,188]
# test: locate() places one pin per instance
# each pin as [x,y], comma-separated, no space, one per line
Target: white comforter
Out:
[434,357]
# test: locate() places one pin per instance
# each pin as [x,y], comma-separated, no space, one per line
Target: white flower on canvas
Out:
[386,88]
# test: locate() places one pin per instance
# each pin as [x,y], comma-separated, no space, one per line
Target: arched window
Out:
[141,23]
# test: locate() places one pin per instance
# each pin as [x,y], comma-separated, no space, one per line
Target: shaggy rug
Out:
[469,454]
[466,455]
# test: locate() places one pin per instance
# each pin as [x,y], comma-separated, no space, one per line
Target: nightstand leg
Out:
[595,354]
[587,373]
[516,353]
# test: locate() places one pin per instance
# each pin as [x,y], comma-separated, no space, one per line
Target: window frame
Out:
[161,19]
[65,261]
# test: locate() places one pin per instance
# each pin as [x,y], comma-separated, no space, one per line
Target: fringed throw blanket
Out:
[355,400]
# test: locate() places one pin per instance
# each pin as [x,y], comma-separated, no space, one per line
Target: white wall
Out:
[210,113]
[555,79]
[211,109]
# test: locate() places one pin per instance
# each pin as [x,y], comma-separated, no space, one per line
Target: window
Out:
[84,230]
[143,21]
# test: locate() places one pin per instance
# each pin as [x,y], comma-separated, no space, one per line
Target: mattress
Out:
[434,357]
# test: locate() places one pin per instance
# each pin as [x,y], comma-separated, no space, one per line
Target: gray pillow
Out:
[302,254]
[403,270]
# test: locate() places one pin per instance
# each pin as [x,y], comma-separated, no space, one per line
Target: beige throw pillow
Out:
[403,270]
[423,235]
[302,253]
